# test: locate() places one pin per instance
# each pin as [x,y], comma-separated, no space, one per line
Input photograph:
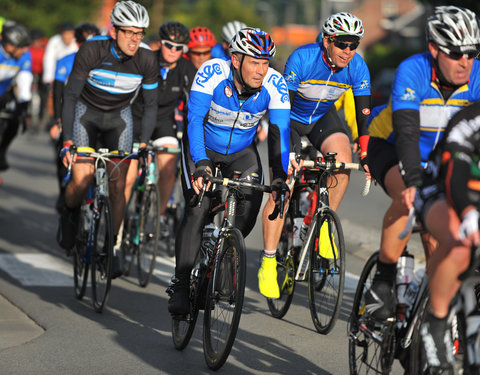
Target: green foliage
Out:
[47,14]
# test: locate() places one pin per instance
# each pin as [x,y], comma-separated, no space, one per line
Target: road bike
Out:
[320,260]
[94,237]
[217,281]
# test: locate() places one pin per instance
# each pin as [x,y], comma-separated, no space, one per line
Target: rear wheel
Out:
[285,273]
[149,228]
[326,275]
[102,255]
[224,299]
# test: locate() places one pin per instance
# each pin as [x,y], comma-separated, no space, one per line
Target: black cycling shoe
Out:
[179,302]
[380,300]
[437,345]
[67,228]
[117,268]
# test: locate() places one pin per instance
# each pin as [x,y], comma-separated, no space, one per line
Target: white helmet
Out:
[343,24]
[129,13]
[230,29]
[454,28]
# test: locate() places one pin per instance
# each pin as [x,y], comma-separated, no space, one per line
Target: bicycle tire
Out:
[285,272]
[81,261]
[102,255]
[224,301]
[326,277]
[171,219]
[130,235]
[149,233]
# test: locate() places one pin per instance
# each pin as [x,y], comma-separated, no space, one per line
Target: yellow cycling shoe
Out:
[325,244]
[267,278]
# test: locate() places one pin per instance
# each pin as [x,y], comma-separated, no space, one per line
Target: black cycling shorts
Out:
[381,157]
[101,129]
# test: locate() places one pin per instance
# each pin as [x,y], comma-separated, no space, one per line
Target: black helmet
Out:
[16,35]
[85,31]
[175,32]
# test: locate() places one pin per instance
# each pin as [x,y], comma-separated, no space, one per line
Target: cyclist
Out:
[175,80]
[317,74]
[83,32]
[447,203]
[200,45]
[227,100]
[229,30]
[15,66]
[427,90]
[105,76]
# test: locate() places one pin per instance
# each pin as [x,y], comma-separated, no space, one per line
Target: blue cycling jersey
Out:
[317,85]
[64,67]
[415,89]
[219,121]
[11,67]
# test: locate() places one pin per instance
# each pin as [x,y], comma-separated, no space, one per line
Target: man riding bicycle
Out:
[227,101]
[429,88]
[96,113]
[317,75]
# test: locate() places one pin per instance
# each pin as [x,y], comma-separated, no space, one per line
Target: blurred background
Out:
[394,29]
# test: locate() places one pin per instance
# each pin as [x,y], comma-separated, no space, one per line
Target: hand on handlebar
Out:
[280,195]
[199,177]
[66,154]
[468,230]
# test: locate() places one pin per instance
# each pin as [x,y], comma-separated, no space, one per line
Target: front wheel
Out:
[102,255]
[81,260]
[326,274]
[149,229]
[285,273]
[224,299]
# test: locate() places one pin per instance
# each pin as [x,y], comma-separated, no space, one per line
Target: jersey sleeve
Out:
[293,67]
[361,85]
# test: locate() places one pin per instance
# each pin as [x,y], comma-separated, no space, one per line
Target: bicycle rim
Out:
[224,301]
[147,248]
[326,275]
[285,273]
[102,255]
[80,262]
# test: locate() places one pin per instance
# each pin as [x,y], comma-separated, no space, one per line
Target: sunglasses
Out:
[343,45]
[202,53]
[177,47]
[458,55]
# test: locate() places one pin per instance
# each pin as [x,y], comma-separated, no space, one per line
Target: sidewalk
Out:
[16,328]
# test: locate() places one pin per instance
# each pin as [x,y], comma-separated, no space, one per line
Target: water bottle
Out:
[304,202]
[412,289]
[404,276]
[209,238]
[297,223]
[151,172]
[308,216]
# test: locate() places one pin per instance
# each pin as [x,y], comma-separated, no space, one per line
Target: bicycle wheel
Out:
[326,275]
[130,232]
[285,273]
[149,228]
[224,299]
[102,255]
[370,345]
[81,260]
[171,218]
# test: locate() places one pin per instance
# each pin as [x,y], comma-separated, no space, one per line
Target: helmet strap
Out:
[247,90]
[446,87]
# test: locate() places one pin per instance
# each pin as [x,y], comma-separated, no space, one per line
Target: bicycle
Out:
[94,239]
[322,265]
[141,231]
[374,345]
[217,282]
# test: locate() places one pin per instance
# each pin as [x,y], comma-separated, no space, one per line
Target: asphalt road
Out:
[45,330]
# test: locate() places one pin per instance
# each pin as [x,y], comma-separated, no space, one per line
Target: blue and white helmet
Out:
[253,42]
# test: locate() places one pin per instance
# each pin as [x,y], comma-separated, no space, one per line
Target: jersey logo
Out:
[364,84]
[228,92]
[208,72]
[409,95]
[281,86]
[291,77]
[366,111]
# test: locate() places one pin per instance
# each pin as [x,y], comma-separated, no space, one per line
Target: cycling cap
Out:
[201,37]
[230,29]
[454,28]
[253,42]
[85,31]
[129,13]
[343,24]
[175,32]
[16,35]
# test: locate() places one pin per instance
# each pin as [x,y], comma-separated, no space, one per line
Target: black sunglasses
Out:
[169,45]
[458,55]
[343,45]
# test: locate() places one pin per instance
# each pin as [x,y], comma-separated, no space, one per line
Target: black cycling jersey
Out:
[105,81]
